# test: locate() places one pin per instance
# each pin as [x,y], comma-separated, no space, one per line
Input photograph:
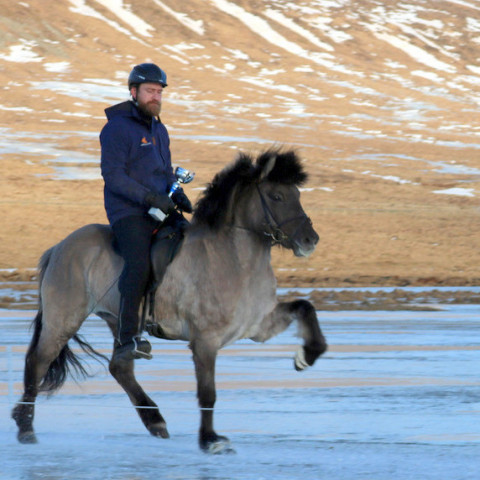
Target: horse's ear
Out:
[268,167]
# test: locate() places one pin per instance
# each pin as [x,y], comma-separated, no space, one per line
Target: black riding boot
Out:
[137,347]
[129,344]
[134,237]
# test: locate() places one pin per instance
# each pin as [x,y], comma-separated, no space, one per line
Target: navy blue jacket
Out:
[135,160]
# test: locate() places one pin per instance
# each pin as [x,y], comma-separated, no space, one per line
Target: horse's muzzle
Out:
[305,241]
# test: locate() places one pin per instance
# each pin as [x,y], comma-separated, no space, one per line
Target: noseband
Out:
[274,230]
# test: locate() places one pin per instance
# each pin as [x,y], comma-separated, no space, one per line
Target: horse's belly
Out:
[174,329]
[218,311]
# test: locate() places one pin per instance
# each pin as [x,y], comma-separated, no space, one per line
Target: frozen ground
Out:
[396,397]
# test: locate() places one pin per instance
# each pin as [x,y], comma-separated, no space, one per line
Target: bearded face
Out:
[149,98]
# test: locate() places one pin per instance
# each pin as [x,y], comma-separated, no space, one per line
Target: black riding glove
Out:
[182,201]
[163,202]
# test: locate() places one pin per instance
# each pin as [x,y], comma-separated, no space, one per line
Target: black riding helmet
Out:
[147,73]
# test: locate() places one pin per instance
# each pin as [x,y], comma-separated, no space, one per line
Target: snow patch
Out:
[22,53]
[16,109]
[289,23]
[80,7]
[57,67]
[459,191]
[262,28]
[194,25]
[432,76]
[474,69]
[124,13]
[86,91]
[389,178]
[417,53]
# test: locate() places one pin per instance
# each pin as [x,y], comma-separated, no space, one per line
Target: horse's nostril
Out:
[311,240]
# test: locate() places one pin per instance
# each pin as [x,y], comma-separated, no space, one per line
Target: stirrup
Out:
[138,347]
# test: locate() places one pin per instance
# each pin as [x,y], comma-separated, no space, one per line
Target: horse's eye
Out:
[277,197]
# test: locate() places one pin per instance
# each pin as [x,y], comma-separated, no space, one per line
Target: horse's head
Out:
[282,218]
[261,197]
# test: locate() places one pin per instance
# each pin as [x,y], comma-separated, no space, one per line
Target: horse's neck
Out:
[249,248]
[247,259]
[239,244]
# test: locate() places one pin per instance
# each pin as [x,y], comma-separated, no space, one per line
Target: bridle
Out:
[274,228]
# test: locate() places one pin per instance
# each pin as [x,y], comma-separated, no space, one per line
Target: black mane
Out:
[212,207]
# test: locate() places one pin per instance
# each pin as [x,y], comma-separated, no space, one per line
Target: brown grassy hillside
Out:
[381,99]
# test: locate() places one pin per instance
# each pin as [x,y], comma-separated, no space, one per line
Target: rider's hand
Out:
[182,201]
[163,202]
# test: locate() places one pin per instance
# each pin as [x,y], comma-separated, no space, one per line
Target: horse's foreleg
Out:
[309,329]
[146,408]
[204,358]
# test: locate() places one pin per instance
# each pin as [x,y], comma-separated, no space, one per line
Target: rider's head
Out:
[146,83]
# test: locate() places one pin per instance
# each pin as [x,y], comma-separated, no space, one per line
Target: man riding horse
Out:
[137,170]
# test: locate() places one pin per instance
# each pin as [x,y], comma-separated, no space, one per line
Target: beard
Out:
[151,109]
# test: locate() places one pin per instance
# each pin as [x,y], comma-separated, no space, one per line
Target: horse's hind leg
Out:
[24,411]
[147,409]
[40,364]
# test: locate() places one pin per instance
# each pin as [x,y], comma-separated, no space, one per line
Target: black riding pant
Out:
[134,238]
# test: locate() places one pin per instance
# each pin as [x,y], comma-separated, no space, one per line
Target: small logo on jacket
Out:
[145,142]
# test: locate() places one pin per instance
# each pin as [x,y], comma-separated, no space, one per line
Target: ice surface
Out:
[397,396]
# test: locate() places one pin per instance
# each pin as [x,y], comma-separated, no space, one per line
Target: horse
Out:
[220,287]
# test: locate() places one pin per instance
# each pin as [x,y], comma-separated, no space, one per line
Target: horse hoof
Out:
[159,430]
[27,437]
[300,362]
[220,446]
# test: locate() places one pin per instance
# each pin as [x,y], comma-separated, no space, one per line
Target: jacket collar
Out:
[129,109]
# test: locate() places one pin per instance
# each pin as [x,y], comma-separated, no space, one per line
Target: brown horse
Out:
[220,287]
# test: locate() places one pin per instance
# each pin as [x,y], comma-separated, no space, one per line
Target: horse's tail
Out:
[66,361]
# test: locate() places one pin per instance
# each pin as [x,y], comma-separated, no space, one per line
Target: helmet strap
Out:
[131,94]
